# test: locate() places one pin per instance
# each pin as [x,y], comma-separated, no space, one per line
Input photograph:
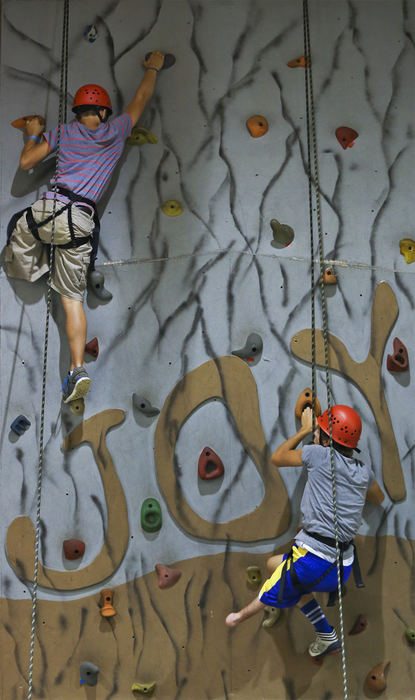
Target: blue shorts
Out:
[308,567]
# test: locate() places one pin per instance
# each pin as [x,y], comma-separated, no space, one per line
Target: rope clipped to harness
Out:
[61,119]
[313,177]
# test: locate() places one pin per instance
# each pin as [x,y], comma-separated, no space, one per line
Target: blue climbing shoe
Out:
[76,385]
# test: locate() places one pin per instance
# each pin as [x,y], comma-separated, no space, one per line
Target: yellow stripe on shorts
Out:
[298,552]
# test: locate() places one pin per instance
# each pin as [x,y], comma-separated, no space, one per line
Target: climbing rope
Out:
[61,119]
[313,180]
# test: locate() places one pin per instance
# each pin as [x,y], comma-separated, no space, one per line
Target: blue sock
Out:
[316,616]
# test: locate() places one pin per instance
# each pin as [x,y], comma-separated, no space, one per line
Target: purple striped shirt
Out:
[87,157]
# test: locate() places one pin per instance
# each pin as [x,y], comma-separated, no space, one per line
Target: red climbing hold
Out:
[74,549]
[360,625]
[167,576]
[210,465]
[346,136]
[92,348]
[398,362]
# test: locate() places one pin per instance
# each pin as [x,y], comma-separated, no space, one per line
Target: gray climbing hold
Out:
[89,673]
[252,350]
[144,406]
[96,284]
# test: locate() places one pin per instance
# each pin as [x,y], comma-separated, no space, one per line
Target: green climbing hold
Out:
[140,136]
[151,519]
[410,635]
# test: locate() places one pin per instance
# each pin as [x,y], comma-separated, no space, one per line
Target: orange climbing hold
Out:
[305,400]
[74,549]
[210,465]
[92,348]
[399,361]
[21,122]
[257,126]
[346,136]
[107,608]
[167,577]
[329,276]
[300,62]
[375,679]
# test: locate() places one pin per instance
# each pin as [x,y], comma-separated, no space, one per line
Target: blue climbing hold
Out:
[20,425]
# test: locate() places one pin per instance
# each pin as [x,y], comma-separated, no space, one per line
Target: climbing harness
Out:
[313,179]
[61,119]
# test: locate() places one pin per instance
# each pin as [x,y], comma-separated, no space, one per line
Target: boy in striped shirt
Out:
[89,149]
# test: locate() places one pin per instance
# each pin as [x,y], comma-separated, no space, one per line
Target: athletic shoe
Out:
[76,385]
[322,647]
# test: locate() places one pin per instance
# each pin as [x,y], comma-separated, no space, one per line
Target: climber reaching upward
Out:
[89,149]
[311,564]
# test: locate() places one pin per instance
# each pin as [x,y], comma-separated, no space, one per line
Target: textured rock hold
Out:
[77,407]
[167,577]
[329,276]
[375,679]
[21,122]
[282,233]
[144,406]
[169,60]
[92,348]
[140,135]
[74,549]
[410,635]
[272,614]
[299,62]
[252,350]
[257,126]
[407,249]
[346,136]
[107,608]
[360,625]
[96,284]
[172,207]
[254,575]
[151,518]
[89,673]
[143,688]
[306,400]
[20,425]
[399,361]
[210,465]
[91,33]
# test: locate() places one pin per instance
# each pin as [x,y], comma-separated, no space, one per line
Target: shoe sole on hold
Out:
[80,389]
[332,649]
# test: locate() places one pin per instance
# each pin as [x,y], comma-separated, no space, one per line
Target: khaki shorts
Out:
[28,259]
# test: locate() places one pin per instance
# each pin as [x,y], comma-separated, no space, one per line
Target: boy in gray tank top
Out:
[311,565]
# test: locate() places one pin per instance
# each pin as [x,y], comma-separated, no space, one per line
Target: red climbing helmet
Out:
[91,96]
[346,425]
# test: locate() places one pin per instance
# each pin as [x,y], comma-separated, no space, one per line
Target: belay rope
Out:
[313,179]
[61,120]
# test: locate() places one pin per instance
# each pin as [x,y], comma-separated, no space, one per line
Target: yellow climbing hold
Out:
[172,207]
[143,688]
[140,136]
[77,407]
[407,248]
[271,616]
[253,574]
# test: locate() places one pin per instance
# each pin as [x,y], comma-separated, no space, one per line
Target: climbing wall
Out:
[169,464]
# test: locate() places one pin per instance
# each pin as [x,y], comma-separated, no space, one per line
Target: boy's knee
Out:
[273,562]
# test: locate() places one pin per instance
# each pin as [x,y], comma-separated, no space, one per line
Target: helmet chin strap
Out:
[98,113]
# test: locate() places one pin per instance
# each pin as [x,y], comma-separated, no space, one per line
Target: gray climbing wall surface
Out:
[188,290]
